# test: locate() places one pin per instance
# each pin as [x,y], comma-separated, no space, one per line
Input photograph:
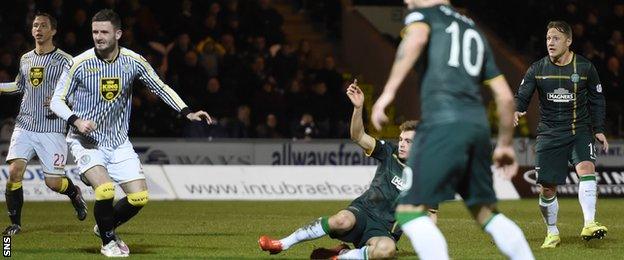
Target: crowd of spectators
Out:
[227,57]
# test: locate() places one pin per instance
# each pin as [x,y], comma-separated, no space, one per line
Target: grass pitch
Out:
[229,230]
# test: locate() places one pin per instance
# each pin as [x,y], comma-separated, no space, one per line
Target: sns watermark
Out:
[6,246]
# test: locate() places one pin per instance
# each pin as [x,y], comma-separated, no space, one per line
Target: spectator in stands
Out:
[306,129]
[219,102]
[267,101]
[332,78]
[191,80]
[285,65]
[241,126]
[321,107]
[6,129]
[269,128]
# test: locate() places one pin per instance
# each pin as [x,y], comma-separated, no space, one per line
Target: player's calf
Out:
[14,195]
[103,211]
[129,206]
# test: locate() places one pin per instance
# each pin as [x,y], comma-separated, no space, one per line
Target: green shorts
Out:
[446,159]
[553,155]
[366,227]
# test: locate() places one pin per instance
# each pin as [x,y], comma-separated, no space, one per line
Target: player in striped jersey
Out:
[38,131]
[100,81]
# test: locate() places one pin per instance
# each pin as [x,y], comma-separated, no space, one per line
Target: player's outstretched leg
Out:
[64,185]
[426,238]
[549,207]
[587,198]
[316,229]
[506,234]
[14,196]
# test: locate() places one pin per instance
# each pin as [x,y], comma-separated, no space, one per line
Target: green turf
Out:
[229,230]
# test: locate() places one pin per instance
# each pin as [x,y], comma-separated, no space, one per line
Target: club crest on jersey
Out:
[110,88]
[575,78]
[36,76]
[561,95]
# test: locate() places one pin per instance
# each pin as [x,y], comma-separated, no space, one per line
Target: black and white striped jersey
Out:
[36,79]
[101,91]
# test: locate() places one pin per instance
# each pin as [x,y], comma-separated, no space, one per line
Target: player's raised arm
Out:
[148,76]
[525,92]
[358,135]
[415,38]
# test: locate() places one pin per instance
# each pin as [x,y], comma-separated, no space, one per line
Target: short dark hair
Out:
[408,125]
[560,26]
[53,22]
[108,15]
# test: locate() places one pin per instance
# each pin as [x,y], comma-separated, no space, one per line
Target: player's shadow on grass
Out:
[196,234]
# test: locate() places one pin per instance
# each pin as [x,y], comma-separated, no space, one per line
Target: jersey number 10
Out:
[466,44]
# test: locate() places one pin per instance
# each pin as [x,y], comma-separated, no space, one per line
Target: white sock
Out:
[311,231]
[426,238]
[359,253]
[549,208]
[509,238]
[587,197]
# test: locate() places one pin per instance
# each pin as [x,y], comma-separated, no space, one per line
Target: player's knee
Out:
[340,222]
[55,183]
[384,249]
[585,167]
[138,199]
[549,191]
[16,171]
[105,191]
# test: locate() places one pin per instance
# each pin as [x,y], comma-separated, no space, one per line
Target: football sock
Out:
[68,188]
[549,207]
[424,235]
[104,211]
[124,211]
[359,253]
[14,196]
[587,197]
[314,230]
[508,237]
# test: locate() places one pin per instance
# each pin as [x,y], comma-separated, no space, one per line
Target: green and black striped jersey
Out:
[458,61]
[570,96]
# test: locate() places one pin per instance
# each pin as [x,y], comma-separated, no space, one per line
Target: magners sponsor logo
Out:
[110,88]
[561,95]
[36,76]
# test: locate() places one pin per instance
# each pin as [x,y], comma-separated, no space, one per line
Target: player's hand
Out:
[379,117]
[517,116]
[199,116]
[504,158]
[85,126]
[355,94]
[603,140]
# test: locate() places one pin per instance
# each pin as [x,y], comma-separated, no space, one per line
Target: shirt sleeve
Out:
[16,86]
[66,85]
[525,91]
[148,76]
[381,151]
[490,69]
[415,16]
[596,100]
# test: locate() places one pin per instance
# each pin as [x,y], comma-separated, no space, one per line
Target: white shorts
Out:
[122,163]
[49,147]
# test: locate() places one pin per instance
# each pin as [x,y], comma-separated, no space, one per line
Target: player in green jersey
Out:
[369,221]
[452,149]
[572,111]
